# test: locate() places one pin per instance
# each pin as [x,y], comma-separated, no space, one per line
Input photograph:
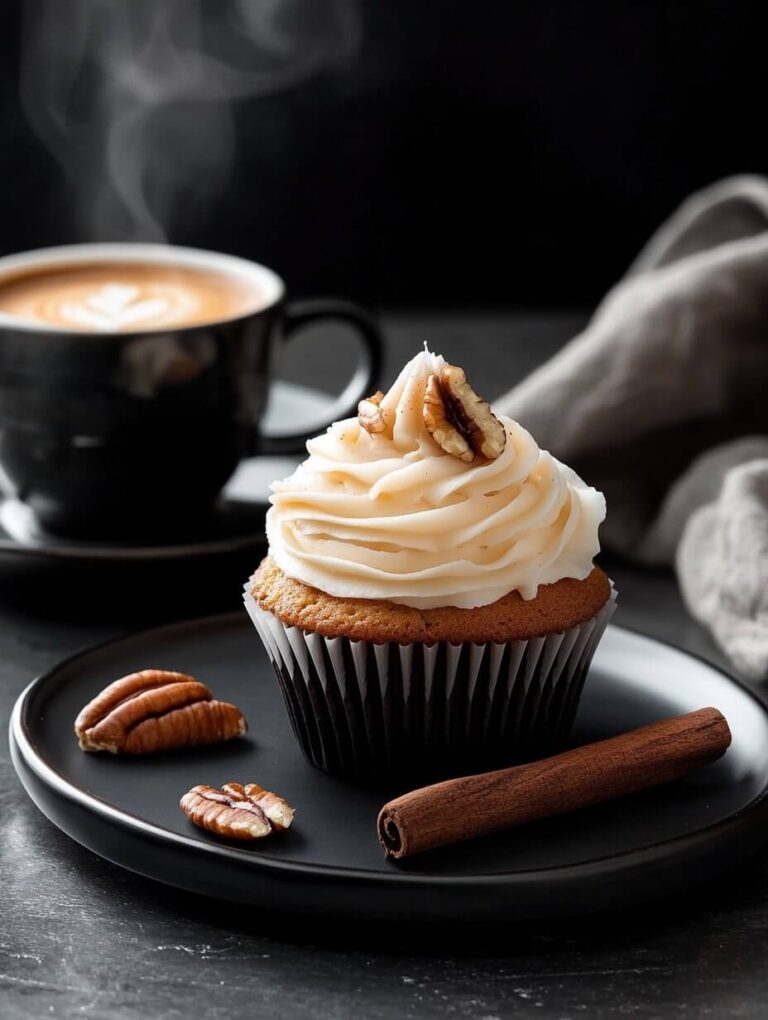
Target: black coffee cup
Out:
[126,434]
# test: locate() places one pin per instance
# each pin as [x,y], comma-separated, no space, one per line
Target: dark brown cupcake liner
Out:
[379,713]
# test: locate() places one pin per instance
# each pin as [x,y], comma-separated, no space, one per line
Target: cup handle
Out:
[365,377]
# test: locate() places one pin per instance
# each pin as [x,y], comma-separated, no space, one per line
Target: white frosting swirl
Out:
[396,518]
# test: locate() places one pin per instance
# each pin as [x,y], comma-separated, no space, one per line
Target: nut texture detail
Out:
[156,710]
[459,420]
[370,415]
[236,811]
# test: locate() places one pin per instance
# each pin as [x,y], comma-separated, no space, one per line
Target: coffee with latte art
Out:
[123,297]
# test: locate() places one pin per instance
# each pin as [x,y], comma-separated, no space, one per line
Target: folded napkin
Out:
[661,402]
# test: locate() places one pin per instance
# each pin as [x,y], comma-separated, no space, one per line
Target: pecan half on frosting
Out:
[156,710]
[370,415]
[459,420]
[236,811]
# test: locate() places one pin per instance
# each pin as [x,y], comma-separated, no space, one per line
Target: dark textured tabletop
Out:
[81,938]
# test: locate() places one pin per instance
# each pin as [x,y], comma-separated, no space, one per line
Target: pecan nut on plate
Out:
[236,811]
[156,710]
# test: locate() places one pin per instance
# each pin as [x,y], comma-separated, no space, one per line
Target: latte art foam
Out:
[116,306]
[114,298]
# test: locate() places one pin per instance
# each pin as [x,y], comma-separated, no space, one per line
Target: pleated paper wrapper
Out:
[377,713]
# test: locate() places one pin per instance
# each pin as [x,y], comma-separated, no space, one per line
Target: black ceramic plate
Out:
[330,863]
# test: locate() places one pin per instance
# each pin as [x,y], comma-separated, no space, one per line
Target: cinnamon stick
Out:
[461,809]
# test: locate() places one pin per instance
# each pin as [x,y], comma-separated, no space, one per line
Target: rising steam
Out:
[134,97]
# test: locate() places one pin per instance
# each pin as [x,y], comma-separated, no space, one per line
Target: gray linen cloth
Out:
[662,402]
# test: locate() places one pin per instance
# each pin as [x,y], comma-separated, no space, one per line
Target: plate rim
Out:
[745,818]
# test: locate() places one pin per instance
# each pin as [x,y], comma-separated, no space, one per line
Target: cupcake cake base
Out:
[373,706]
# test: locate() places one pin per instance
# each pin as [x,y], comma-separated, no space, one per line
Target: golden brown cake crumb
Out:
[555,608]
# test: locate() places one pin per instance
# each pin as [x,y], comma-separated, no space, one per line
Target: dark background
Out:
[476,153]
[472,153]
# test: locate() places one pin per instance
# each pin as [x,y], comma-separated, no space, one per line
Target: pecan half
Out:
[278,811]
[371,416]
[156,710]
[460,421]
[236,811]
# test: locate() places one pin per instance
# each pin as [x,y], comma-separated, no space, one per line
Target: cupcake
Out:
[429,599]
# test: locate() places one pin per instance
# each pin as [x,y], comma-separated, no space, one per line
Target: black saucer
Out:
[630,851]
[231,527]
[236,525]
